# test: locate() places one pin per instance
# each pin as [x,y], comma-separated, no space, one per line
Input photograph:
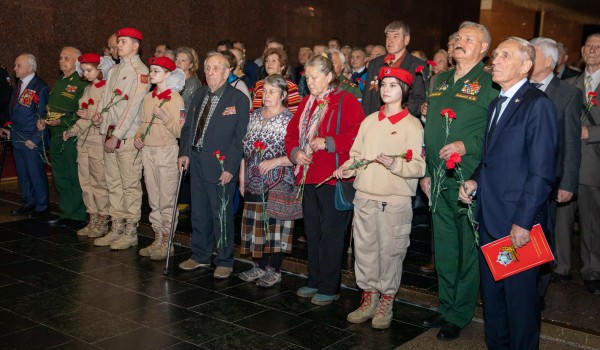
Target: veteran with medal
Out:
[63,103]
[468,91]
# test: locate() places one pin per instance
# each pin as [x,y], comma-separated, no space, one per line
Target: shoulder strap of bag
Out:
[337,128]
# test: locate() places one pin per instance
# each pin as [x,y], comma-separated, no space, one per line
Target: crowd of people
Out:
[497,144]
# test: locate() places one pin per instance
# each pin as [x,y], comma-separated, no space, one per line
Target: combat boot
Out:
[128,238]
[367,308]
[161,252]
[101,227]
[115,233]
[147,251]
[89,227]
[383,316]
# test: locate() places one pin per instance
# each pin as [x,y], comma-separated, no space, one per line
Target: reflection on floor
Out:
[59,291]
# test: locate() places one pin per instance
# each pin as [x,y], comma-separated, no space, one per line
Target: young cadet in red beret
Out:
[126,85]
[90,149]
[382,206]
[156,140]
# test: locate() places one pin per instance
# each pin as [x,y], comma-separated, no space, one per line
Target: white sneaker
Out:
[270,279]
[252,274]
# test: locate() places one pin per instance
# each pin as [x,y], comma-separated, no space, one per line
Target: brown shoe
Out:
[222,272]
[428,268]
[190,265]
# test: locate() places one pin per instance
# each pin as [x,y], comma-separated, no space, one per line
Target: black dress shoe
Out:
[21,211]
[434,321]
[49,218]
[593,286]
[557,277]
[449,331]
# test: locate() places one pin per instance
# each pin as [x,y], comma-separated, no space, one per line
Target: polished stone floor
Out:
[59,291]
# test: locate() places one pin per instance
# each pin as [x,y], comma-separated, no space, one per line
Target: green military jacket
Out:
[64,100]
[349,86]
[469,98]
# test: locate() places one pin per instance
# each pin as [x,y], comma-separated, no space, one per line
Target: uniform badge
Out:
[471,88]
[374,84]
[229,110]
[443,86]
[181,116]
[26,97]
[71,88]
[144,78]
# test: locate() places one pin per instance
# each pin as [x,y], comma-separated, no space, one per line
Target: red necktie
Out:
[16,95]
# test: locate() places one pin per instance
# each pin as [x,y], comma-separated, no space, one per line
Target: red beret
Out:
[89,58]
[401,74]
[130,32]
[164,62]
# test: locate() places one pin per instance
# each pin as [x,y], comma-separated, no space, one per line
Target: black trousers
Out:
[325,228]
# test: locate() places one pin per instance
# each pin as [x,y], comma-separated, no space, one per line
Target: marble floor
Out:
[58,291]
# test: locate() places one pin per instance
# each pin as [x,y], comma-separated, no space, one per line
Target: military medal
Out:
[374,84]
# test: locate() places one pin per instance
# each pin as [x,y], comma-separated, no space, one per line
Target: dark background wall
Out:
[44,27]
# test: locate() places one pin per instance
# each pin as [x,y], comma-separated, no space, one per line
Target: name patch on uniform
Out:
[65,94]
[71,88]
[229,110]
[26,97]
[435,94]
[144,78]
[466,97]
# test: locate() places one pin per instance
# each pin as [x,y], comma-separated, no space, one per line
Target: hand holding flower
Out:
[138,143]
[453,147]
[301,158]
[384,160]
[160,114]
[97,119]
[29,144]
[341,173]
[267,165]
[41,125]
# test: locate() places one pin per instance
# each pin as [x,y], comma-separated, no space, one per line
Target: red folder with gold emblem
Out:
[505,260]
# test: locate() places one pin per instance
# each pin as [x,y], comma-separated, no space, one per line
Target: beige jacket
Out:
[162,133]
[131,77]
[94,93]
[381,136]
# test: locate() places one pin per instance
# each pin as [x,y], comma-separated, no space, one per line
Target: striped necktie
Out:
[588,84]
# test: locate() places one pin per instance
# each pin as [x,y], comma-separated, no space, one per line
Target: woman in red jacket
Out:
[312,144]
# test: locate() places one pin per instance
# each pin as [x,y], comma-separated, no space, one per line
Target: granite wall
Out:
[43,27]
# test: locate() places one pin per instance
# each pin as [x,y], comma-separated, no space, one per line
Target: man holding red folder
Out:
[512,185]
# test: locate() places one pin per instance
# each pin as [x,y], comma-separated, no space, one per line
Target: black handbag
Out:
[344,190]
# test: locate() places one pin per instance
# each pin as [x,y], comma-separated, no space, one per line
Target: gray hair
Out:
[525,48]
[278,81]
[214,53]
[31,60]
[487,38]
[452,36]
[339,53]
[396,26]
[76,51]
[549,48]
[324,64]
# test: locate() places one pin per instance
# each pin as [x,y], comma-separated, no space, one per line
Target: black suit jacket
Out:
[225,131]
[371,99]
[568,101]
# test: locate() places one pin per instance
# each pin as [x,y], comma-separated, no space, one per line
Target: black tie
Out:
[203,118]
[499,103]
[537,85]
[15,97]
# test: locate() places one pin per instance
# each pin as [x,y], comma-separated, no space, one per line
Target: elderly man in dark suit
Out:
[397,37]
[216,121]
[568,101]
[27,105]
[563,71]
[513,183]
[588,199]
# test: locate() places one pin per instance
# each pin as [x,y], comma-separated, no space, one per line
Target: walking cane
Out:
[172,232]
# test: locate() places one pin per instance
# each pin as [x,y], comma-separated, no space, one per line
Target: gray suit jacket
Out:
[568,101]
[589,171]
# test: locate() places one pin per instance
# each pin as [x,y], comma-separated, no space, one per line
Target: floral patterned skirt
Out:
[254,238]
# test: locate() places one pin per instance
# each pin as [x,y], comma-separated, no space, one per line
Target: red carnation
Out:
[84,105]
[419,69]
[36,99]
[389,59]
[594,103]
[8,125]
[216,153]
[263,147]
[221,157]
[118,92]
[455,157]
[448,113]
[408,155]
[591,94]
[450,164]
[126,97]
[257,144]
[91,102]
[302,73]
